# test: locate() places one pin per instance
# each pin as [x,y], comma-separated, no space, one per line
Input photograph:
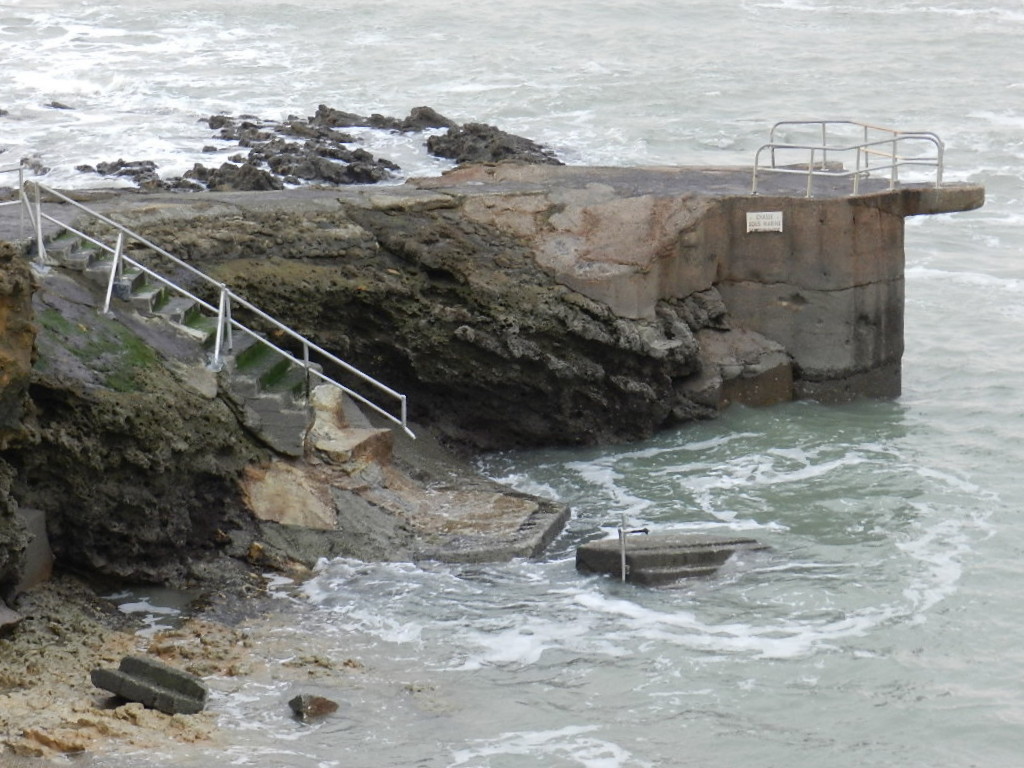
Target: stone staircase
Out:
[267,390]
[343,482]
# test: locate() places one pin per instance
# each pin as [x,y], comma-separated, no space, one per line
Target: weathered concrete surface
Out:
[153,684]
[357,501]
[661,558]
[828,287]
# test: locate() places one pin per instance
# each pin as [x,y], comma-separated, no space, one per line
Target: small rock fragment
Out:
[306,706]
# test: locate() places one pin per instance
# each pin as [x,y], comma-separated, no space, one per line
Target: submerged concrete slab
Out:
[661,558]
[153,684]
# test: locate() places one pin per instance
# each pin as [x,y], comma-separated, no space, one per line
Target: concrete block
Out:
[153,684]
[661,558]
[829,334]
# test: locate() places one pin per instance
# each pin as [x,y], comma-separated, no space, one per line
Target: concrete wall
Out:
[829,287]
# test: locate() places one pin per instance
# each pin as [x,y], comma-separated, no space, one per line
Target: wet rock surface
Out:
[480,143]
[307,706]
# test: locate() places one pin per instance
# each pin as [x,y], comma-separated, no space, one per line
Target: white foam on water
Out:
[876,522]
[571,745]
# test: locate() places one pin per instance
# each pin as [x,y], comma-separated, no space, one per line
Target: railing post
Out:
[856,174]
[753,179]
[893,169]
[223,315]
[40,247]
[229,331]
[810,173]
[23,201]
[305,367]
[115,272]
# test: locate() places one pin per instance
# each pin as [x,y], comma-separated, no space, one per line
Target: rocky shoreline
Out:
[518,303]
[139,466]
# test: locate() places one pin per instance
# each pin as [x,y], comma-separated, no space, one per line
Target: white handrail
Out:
[20,199]
[226,299]
[817,159]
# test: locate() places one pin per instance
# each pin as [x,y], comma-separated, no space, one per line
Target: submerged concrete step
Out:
[661,558]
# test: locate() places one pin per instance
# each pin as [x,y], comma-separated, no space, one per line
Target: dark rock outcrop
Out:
[17,352]
[479,143]
[310,150]
[151,475]
[419,119]
[17,336]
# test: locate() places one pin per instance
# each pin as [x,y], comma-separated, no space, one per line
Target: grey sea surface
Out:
[883,626]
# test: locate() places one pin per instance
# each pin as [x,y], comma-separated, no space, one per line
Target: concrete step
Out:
[655,559]
[147,298]
[175,309]
[282,428]
[71,252]
[260,369]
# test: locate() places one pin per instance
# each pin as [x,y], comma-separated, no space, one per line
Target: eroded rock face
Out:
[17,339]
[492,349]
[137,484]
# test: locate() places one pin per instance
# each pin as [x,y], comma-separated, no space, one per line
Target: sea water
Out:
[883,625]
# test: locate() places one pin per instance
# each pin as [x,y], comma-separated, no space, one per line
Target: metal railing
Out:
[20,199]
[873,150]
[21,179]
[227,299]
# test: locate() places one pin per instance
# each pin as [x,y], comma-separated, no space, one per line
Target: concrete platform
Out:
[661,558]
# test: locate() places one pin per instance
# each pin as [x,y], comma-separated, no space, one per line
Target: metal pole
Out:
[856,175]
[229,333]
[305,366]
[810,173]
[40,248]
[221,315]
[22,202]
[893,160]
[622,547]
[115,272]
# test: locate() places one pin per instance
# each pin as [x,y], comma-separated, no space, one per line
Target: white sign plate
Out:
[764,221]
